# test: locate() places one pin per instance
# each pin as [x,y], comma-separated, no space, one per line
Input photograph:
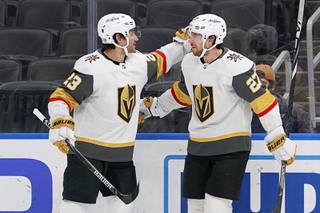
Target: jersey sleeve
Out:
[174,98]
[76,88]
[248,86]
[161,60]
[180,93]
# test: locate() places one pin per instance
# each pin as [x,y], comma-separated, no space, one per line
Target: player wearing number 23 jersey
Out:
[96,108]
[104,96]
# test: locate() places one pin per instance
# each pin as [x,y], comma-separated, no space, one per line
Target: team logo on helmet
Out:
[203,99]
[112,19]
[126,101]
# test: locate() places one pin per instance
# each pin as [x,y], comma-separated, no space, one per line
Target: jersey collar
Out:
[224,51]
[101,51]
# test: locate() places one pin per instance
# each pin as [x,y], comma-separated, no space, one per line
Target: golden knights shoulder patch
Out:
[234,57]
[91,58]
[126,101]
[203,101]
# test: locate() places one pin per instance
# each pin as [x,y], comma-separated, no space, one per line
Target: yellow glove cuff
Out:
[276,143]
[62,122]
[291,160]
[62,146]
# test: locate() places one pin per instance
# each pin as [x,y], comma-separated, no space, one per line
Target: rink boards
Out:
[31,172]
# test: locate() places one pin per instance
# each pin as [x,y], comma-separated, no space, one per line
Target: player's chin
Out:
[195,52]
[132,50]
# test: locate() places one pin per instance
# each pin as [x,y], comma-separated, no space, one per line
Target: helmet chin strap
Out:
[204,50]
[125,49]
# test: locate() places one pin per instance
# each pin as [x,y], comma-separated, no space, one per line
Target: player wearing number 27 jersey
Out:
[223,89]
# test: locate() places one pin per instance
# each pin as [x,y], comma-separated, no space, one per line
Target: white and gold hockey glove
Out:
[155,106]
[146,107]
[280,146]
[62,126]
[158,106]
[181,37]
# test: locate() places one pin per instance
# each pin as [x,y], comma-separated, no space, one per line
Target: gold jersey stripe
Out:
[263,102]
[160,62]
[221,137]
[180,95]
[105,144]
[59,93]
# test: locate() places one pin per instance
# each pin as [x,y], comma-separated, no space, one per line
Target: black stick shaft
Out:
[278,206]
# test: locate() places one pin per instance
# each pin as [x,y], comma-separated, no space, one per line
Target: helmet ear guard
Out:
[209,25]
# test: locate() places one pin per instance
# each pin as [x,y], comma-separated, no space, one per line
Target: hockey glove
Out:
[146,107]
[61,129]
[62,125]
[181,37]
[280,146]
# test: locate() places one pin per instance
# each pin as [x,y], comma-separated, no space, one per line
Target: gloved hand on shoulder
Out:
[181,36]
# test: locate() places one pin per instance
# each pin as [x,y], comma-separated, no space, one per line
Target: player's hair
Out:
[112,46]
[219,46]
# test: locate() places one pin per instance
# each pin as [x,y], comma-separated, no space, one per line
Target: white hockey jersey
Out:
[223,95]
[105,96]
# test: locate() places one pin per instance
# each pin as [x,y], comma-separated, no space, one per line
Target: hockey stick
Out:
[126,198]
[277,208]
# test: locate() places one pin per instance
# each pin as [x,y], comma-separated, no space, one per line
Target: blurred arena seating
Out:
[73,42]
[51,69]
[153,38]
[51,14]
[3,13]
[41,39]
[241,13]
[172,13]
[238,39]
[17,101]
[25,41]
[10,70]
[110,6]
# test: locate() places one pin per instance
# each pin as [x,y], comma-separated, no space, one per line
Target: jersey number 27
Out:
[254,82]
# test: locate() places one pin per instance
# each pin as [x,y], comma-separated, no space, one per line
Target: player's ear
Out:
[212,40]
[119,39]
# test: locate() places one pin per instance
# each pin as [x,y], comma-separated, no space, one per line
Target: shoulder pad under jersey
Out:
[82,64]
[237,63]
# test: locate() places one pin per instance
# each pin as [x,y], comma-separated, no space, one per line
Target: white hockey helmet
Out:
[114,23]
[208,25]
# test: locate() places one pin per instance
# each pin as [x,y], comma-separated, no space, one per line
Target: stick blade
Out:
[128,198]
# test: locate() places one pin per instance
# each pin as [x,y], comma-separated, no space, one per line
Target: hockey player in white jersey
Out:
[103,91]
[223,88]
